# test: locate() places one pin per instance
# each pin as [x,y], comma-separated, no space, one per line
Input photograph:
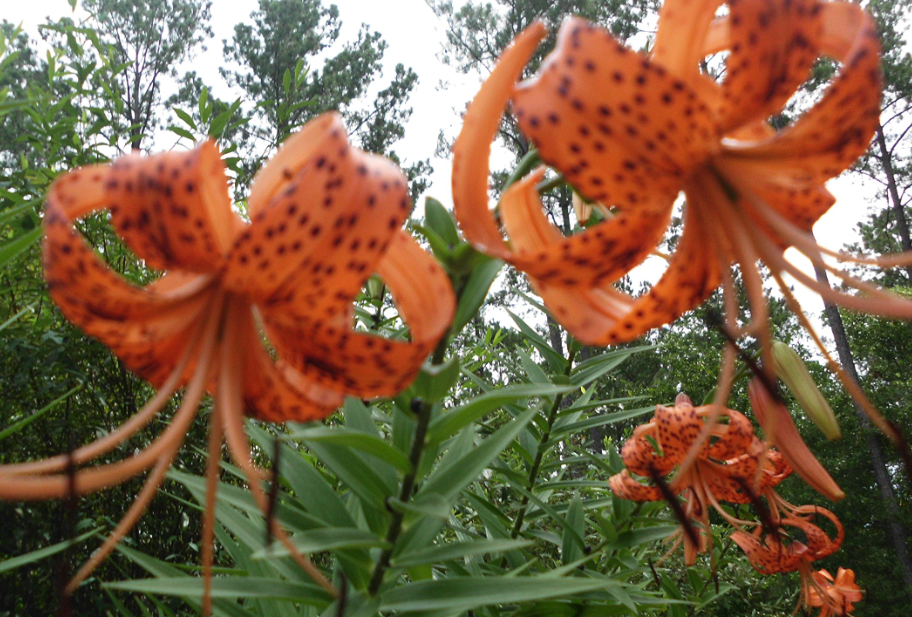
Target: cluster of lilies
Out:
[734,466]
[628,131]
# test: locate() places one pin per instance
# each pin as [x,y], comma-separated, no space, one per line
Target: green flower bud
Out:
[792,371]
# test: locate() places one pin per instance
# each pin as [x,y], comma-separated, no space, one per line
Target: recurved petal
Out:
[275,391]
[152,345]
[735,439]
[779,469]
[617,125]
[625,487]
[472,150]
[773,46]
[88,292]
[729,483]
[590,314]
[152,348]
[845,583]
[837,130]
[676,429]
[364,364]
[420,288]
[598,255]
[641,457]
[692,275]
[684,26]
[317,202]
[326,282]
[820,544]
[803,207]
[770,555]
[173,209]
[602,315]
[293,155]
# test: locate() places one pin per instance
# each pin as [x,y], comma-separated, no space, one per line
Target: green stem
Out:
[405,493]
[550,185]
[525,165]
[539,455]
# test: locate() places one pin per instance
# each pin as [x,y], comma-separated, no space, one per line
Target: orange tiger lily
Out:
[833,597]
[771,554]
[632,131]
[324,217]
[735,467]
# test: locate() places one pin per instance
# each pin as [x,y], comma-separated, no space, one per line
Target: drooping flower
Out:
[734,467]
[633,131]
[833,597]
[780,552]
[325,216]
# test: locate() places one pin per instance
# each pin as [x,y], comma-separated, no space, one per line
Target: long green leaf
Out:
[21,560]
[234,587]
[368,444]
[165,570]
[463,594]
[594,368]
[353,471]
[450,480]
[10,250]
[454,420]
[21,424]
[556,361]
[603,419]
[637,537]
[317,540]
[458,550]
[24,208]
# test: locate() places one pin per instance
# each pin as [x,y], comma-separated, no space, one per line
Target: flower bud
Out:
[791,369]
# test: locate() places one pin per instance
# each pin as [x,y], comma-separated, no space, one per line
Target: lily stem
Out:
[423,412]
[539,455]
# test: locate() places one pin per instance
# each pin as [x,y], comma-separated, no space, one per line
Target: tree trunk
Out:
[886,161]
[881,475]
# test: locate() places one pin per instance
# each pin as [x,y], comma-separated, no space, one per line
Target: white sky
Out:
[414,36]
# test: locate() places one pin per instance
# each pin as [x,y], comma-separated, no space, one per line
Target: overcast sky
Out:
[414,37]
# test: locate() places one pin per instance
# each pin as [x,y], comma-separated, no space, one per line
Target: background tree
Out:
[277,68]
[150,39]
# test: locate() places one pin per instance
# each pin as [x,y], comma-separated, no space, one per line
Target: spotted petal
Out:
[773,47]
[88,292]
[364,364]
[837,130]
[173,209]
[683,27]
[625,487]
[472,150]
[275,391]
[327,281]
[316,203]
[736,437]
[599,255]
[618,126]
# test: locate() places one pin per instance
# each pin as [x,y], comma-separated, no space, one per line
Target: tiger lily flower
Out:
[633,131]
[324,216]
[735,467]
[772,554]
[833,597]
